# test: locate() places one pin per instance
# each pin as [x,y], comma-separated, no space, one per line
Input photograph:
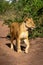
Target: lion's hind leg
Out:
[12,38]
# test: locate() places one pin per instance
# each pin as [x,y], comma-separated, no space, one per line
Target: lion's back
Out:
[14,28]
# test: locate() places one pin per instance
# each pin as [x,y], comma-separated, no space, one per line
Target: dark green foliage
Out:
[4,5]
[7,22]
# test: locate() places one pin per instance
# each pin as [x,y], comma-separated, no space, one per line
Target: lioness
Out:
[20,31]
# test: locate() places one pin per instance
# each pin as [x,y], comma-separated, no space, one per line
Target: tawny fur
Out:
[20,31]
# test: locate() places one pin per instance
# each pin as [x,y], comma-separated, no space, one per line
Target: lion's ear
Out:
[31,19]
[26,19]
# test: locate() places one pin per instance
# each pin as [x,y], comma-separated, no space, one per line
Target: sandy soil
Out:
[11,57]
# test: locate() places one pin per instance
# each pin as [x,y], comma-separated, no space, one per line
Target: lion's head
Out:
[29,23]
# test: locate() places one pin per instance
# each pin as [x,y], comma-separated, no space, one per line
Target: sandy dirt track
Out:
[11,57]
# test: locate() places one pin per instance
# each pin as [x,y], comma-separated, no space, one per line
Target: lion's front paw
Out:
[26,51]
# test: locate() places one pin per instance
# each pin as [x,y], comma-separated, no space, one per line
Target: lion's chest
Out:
[24,35]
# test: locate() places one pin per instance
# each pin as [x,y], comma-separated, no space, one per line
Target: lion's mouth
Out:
[26,26]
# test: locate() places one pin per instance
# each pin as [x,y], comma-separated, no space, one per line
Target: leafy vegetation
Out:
[18,9]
